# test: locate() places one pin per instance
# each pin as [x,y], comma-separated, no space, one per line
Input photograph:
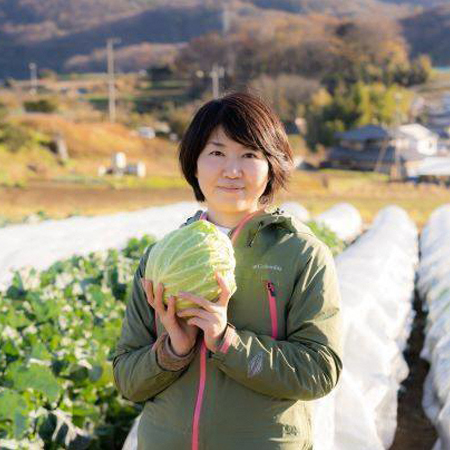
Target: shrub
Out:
[42,105]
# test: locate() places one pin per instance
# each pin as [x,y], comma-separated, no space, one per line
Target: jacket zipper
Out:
[201,385]
[198,404]
[203,351]
[272,308]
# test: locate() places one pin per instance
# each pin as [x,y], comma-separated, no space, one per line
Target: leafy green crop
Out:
[58,329]
[186,260]
[328,236]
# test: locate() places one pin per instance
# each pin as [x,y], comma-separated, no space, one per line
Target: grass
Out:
[123,182]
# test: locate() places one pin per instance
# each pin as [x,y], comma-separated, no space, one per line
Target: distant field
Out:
[317,191]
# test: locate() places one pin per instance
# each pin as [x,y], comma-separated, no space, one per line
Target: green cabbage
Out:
[186,259]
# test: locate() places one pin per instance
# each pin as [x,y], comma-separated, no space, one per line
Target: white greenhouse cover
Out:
[344,219]
[376,276]
[434,287]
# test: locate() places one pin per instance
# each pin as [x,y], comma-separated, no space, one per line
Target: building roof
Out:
[372,132]
[371,154]
[417,131]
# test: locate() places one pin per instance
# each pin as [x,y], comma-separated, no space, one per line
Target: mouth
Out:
[230,189]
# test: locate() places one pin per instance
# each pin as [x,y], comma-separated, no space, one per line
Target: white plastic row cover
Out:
[376,276]
[40,245]
[434,287]
[343,219]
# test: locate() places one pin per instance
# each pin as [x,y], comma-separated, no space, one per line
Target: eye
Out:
[216,152]
[253,155]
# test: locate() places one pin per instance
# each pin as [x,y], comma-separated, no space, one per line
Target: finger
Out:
[201,323]
[171,306]
[148,289]
[198,300]
[225,293]
[197,312]
[159,299]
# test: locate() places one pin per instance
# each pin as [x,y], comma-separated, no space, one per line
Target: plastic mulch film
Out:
[376,277]
[434,288]
[344,219]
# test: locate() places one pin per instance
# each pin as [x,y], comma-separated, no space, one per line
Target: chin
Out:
[233,207]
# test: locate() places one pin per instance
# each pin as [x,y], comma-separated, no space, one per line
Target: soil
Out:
[414,430]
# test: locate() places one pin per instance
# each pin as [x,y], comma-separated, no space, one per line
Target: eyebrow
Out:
[220,144]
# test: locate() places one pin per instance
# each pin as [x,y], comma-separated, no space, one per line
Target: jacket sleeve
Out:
[306,365]
[137,374]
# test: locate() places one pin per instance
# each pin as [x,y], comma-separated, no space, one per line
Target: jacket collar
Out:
[249,227]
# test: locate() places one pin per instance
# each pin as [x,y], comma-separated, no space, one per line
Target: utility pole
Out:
[111,83]
[226,19]
[398,97]
[216,73]
[226,26]
[33,78]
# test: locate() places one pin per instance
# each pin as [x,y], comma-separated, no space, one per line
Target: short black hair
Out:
[246,119]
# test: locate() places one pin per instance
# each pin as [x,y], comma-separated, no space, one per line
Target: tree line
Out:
[336,73]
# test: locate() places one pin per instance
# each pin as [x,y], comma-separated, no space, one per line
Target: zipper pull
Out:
[271,288]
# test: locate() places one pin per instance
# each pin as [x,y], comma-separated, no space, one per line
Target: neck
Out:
[229,220]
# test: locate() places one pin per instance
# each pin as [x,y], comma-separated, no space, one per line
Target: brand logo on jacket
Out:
[267,266]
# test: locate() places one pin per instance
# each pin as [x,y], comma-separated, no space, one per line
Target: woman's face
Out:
[232,177]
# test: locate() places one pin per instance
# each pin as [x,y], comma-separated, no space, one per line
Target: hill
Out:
[429,32]
[52,33]
[336,8]
[71,36]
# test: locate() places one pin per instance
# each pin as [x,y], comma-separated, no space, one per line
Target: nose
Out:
[232,169]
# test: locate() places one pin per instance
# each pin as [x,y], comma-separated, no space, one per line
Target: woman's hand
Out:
[182,335]
[210,317]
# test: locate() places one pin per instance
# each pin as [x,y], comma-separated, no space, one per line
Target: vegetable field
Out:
[59,326]
[57,330]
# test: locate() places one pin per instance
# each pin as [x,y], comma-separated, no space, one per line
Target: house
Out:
[419,137]
[397,152]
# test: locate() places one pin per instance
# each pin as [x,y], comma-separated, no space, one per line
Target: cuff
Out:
[166,359]
[227,339]
[171,352]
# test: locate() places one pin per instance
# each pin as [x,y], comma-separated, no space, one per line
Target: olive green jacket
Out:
[282,349]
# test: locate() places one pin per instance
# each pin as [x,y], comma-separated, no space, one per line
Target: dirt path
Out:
[414,430]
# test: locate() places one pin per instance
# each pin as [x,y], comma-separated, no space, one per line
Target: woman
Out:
[239,373]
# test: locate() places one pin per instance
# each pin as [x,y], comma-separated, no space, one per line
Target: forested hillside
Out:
[429,32]
[339,8]
[68,36]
